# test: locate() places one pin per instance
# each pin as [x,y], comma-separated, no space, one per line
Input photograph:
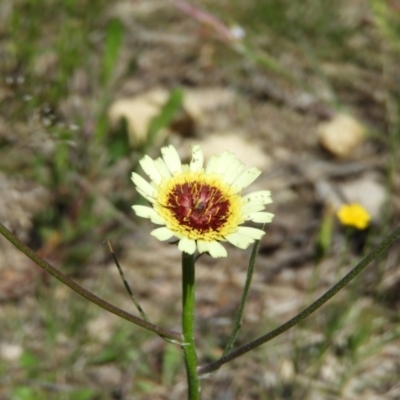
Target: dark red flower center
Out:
[199,206]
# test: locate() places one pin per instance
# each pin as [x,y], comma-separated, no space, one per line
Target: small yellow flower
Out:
[354,215]
[201,206]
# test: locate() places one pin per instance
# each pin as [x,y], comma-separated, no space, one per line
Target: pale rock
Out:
[366,191]
[138,112]
[10,352]
[248,153]
[287,370]
[197,102]
[341,135]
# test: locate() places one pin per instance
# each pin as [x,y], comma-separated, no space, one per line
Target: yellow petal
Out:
[246,178]
[197,158]
[149,167]
[187,245]
[162,234]
[171,158]
[260,217]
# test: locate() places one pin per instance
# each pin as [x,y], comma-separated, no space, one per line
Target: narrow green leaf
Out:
[111,49]
[165,117]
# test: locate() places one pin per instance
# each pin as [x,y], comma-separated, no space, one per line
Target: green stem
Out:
[175,336]
[305,313]
[126,284]
[239,315]
[188,314]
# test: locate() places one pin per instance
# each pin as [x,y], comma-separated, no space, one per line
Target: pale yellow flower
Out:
[201,206]
[354,215]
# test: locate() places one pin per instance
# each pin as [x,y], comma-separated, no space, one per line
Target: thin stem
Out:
[239,315]
[175,336]
[126,284]
[309,310]
[188,319]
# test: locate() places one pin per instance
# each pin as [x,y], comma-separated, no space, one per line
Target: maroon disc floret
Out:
[199,206]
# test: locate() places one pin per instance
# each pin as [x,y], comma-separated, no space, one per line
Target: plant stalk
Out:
[246,289]
[188,320]
[174,336]
[211,367]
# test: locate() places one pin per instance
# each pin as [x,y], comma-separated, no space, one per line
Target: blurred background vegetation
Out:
[88,87]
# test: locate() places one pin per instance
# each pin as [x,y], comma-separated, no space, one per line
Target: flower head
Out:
[354,215]
[201,206]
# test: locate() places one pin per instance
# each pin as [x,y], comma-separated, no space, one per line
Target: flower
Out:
[201,206]
[354,215]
